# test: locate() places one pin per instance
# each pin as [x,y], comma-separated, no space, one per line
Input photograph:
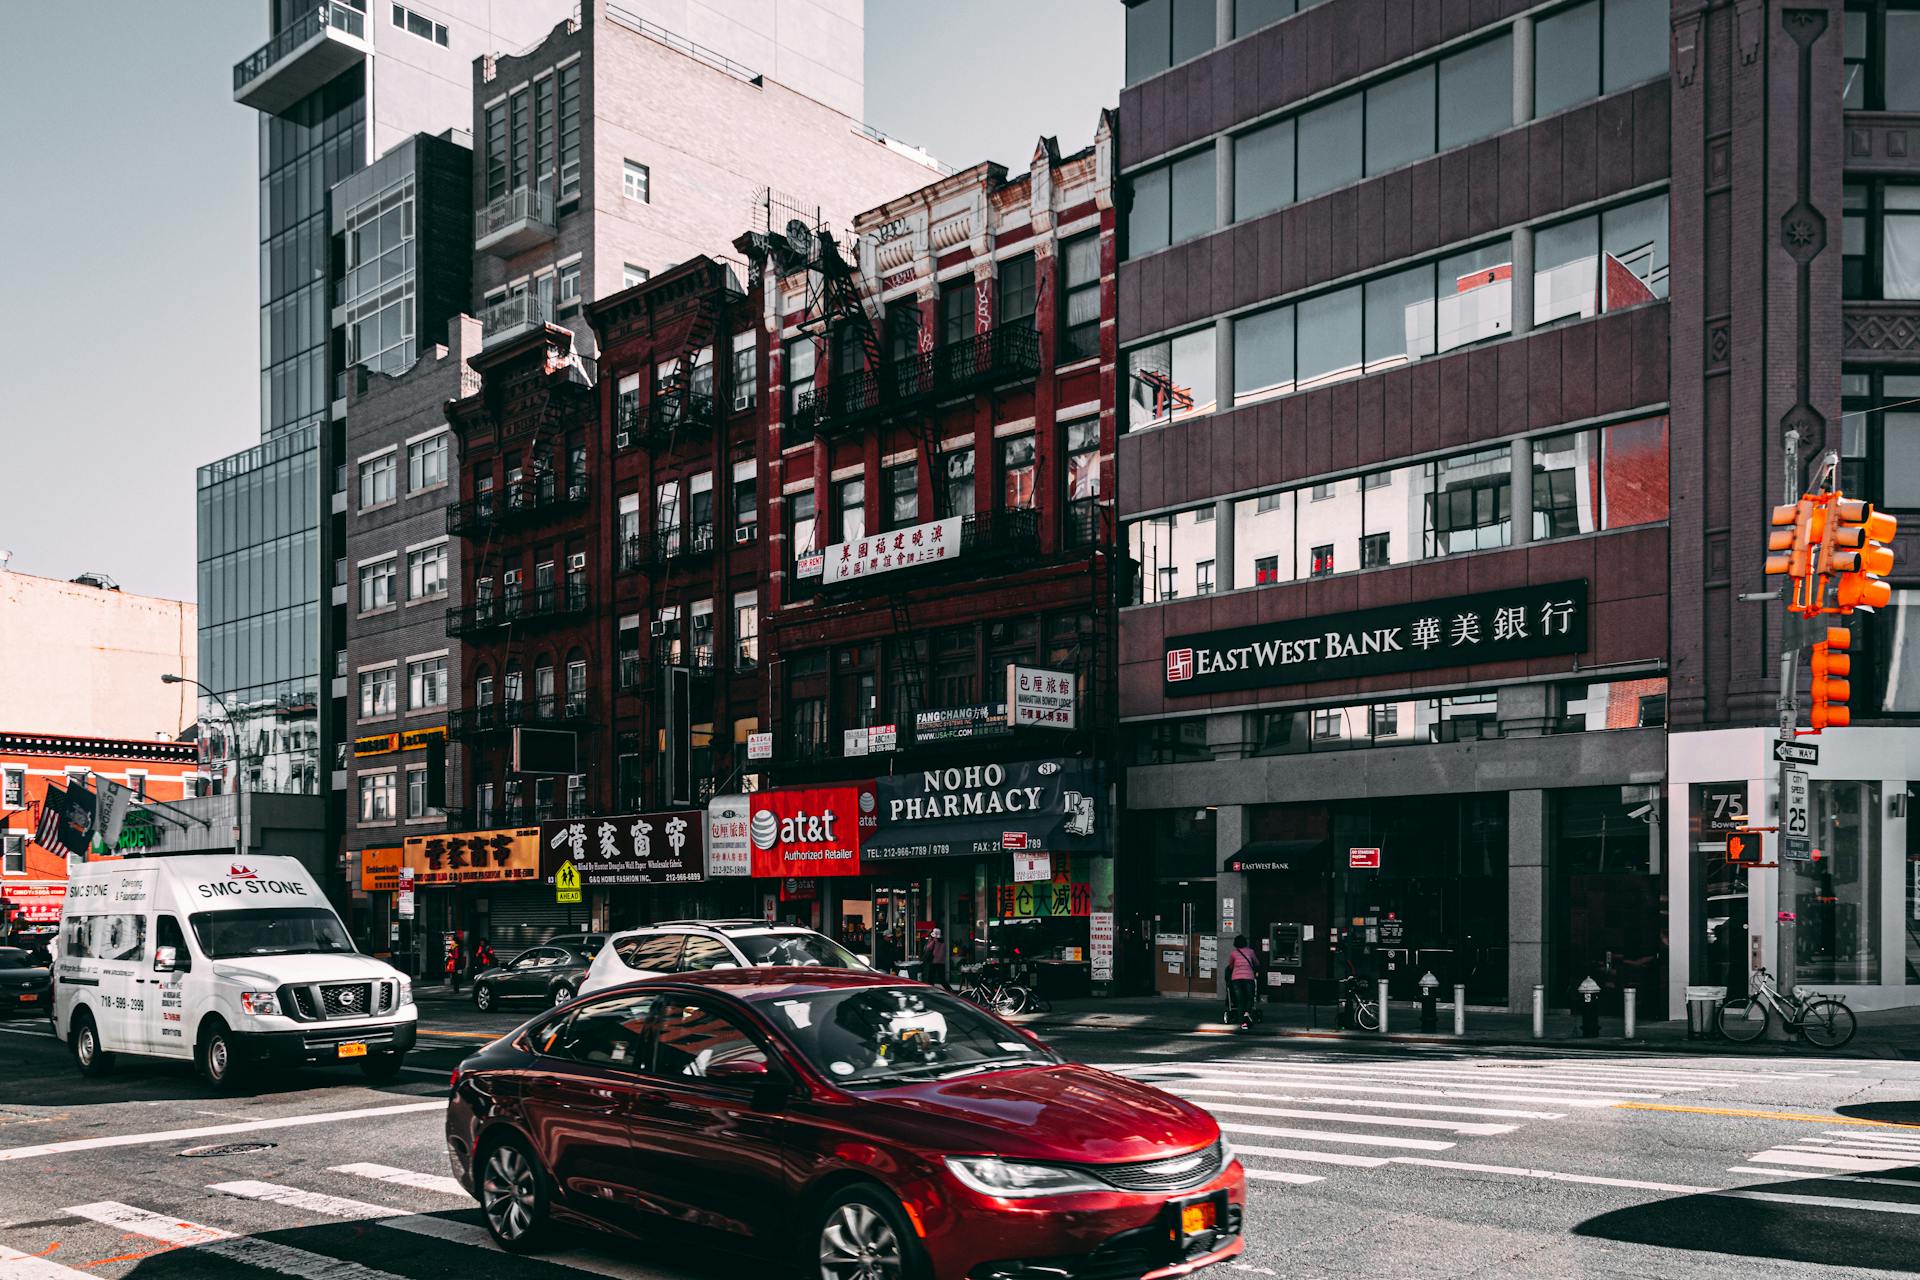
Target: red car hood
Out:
[1066,1113]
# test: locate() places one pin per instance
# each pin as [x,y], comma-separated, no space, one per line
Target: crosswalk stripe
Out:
[1271,1175]
[1313,1157]
[268,1255]
[216,1130]
[1824,1202]
[1322,1135]
[1772,1173]
[1890,1138]
[15,1265]
[1440,1108]
[406,1178]
[1860,1145]
[311,1201]
[1819,1160]
[1534,1086]
[1551,1175]
[1481,1095]
[1399,1122]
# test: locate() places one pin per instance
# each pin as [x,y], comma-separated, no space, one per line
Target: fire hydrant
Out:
[1589,1009]
[1429,1015]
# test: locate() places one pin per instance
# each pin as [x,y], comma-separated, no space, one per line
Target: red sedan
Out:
[875,1129]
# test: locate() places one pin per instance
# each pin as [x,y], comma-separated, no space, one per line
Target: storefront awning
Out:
[1278,855]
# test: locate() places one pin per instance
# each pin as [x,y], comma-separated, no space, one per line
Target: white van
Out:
[227,962]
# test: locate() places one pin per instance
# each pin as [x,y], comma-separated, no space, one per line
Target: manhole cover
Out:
[227,1149]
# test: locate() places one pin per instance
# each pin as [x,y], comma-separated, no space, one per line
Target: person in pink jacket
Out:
[1243,981]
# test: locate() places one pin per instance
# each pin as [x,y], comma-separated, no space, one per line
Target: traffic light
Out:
[1743,850]
[1858,553]
[1831,688]
[1797,531]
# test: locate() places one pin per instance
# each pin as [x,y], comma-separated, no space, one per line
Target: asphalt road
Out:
[1382,1160]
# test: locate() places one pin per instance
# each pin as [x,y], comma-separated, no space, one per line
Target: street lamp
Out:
[233,734]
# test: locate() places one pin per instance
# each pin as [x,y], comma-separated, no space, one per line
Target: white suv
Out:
[686,946]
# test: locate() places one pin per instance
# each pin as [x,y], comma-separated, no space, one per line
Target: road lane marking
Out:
[212,1130]
[1321,1135]
[405,1178]
[1312,1157]
[1813,1160]
[1551,1175]
[1339,1117]
[15,1265]
[46,1034]
[268,1255]
[1828,1179]
[1441,1108]
[1823,1202]
[463,1035]
[311,1201]
[1769,1115]
[1402,1091]
[1274,1175]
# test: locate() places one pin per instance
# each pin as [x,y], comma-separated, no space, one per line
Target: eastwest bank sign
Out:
[1491,626]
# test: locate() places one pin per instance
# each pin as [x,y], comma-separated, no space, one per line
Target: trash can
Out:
[1703,1003]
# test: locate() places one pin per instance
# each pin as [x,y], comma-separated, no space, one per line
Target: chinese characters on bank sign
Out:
[899,549]
[1492,626]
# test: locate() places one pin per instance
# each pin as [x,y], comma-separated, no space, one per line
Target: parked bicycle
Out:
[1824,1021]
[1357,1006]
[990,986]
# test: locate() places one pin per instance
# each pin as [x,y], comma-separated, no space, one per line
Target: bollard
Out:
[1383,1006]
[1459,1009]
[1589,1008]
[1539,1012]
[1429,1018]
[1633,1001]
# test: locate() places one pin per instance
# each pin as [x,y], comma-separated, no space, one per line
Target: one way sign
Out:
[1795,752]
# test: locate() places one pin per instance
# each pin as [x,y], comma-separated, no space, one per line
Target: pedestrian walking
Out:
[1243,981]
[454,958]
[483,957]
[933,961]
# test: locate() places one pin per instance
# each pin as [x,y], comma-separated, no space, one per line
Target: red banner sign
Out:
[810,831]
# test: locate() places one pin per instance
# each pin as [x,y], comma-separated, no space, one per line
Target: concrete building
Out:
[84,659]
[1393,480]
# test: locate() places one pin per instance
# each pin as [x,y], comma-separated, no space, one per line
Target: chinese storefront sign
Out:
[1492,626]
[900,549]
[37,903]
[1045,805]
[628,849]
[1039,699]
[380,869]
[475,857]
[1018,901]
[729,851]
[946,724]
[810,831]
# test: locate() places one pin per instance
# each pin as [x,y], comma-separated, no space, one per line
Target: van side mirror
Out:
[169,960]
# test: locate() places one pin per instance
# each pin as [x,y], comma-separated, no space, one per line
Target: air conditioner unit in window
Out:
[659,629]
[576,562]
[744,533]
[742,400]
[511,577]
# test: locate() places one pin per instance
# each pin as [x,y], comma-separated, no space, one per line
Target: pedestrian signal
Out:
[1743,850]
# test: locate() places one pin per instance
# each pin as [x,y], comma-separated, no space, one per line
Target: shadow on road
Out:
[1884,1112]
[1865,1221]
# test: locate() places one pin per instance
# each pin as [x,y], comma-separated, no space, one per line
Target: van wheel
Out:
[219,1057]
[382,1066]
[92,1060]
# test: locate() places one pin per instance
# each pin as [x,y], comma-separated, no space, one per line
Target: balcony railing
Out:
[514,223]
[1007,354]
[537,605]
[659,549]
[512,316]
[666,415]
[527,499]
[303,56]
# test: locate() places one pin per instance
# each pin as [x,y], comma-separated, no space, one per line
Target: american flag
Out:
[52,807]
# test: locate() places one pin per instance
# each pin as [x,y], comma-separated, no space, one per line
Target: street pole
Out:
[233,756]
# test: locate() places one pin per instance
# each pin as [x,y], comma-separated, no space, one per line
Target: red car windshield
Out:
[876,1036]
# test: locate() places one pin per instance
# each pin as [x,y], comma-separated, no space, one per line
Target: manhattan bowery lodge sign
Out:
[1490,626]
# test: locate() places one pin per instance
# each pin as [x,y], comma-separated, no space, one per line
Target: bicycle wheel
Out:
[1366,1015]
[1828,1024]
[1011,999]
[1743,1021]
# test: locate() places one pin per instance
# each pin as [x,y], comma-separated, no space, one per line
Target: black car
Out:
[549,974]
[26,985]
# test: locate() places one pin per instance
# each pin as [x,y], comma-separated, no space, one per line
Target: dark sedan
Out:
[26,985]
[550,974]
[871,1128]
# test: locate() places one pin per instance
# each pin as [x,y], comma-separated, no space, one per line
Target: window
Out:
[745,372]
[427,572]
[851,503]
[13,854]
[13,788]
[1080,294]
[1203,580]
[1373,550]
[417,793]
[376,480]
[1329,146]
[1263,170]
[569,131]
[1882,55]
[427,463]
[959,482]
[543,134]
[576,686]
[426,683]
[1017,472]
[1322,561]
[1251,15]
[377,693]
[636,182]
[903,495]
[956,310]
[1400,119]
[805,564]
[1171,203]
[1602,263]
[1083,480]
[1017,291]
[1161,33]
[483,691]
[496,150]
[1266,571]
[376,797]
[419,25]
[569,289]
[1166,549]
[799,373]
[1168,381]
[1476,93]
[631,275]
[1469,502]
[520,139]
[666,517]
[1595,48]
[746,501]
[1882,239]
[746,630]
[376,584]
[1169,582]
[690,1037]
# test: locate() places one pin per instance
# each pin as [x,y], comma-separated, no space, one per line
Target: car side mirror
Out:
[738,1071]
[169,960]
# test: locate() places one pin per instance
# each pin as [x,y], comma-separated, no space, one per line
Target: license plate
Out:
[29,997]
[353,1049]
[1195,1218]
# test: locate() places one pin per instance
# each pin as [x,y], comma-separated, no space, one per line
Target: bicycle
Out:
[1823,1021]
[987,986]
[1359,1010]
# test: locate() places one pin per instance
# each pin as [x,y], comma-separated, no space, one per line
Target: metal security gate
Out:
[524,916]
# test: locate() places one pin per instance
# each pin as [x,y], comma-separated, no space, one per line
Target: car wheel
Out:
[382,1066]
[219,1056]
[483,998]
[562,994]
[861,1234]
[92,1060]
[514,1197]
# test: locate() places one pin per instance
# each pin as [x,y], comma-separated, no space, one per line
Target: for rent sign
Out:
[1492,626]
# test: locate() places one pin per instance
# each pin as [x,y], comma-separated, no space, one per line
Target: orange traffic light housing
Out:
[1831,688]
[1860,556]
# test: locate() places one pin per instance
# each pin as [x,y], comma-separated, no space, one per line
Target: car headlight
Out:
[406,992]
[259,1002]
[1011,1179]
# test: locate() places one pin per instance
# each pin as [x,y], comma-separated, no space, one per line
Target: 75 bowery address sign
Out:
[1490,626]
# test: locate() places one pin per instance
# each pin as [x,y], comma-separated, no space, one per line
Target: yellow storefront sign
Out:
[475,857]
[380,869]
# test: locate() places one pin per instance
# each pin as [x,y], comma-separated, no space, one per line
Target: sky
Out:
[129,337]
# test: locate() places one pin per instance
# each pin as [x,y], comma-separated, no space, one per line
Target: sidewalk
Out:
[1890,1033]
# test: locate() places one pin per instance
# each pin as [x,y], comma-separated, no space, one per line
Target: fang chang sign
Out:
[1492,626]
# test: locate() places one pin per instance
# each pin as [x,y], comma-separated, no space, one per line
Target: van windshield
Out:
[275,931]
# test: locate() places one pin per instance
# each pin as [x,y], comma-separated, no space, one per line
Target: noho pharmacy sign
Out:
[1454,631]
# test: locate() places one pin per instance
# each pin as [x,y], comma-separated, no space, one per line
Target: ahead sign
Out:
[1363,859]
